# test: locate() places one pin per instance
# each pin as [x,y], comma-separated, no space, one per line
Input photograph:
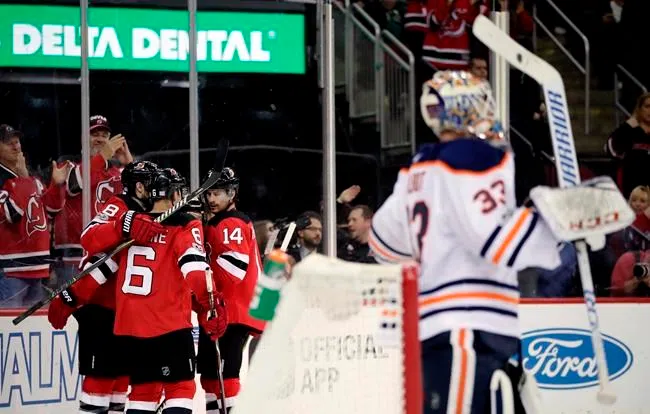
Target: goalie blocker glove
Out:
[587,212]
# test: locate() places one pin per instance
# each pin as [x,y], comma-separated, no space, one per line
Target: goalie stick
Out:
[222,152]
[565,161]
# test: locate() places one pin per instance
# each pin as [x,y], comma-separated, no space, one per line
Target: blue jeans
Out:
[19,293]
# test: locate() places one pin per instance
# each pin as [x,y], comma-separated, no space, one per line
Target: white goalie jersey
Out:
[454,211]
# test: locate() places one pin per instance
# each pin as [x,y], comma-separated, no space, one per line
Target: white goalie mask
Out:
[459,101]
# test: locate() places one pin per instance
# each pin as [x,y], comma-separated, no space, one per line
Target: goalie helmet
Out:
[459,101]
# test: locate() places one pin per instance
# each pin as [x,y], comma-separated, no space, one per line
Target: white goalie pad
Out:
[585,212]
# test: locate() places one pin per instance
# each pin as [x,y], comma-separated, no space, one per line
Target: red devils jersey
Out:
[415,18]
[446,44]
[24,233]
[152,296]
[104,183]
[235,262]
[101,235]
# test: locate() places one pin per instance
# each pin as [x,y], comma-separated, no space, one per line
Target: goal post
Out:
[344,340]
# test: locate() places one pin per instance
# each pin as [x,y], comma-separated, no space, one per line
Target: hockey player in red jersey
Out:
[24,200]
[109,156]
[155,280]
[101,359]
[235,262]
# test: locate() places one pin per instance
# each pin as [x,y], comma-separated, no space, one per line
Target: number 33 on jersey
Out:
[454,211]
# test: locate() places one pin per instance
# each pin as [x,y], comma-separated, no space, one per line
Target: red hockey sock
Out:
[179,397]
[118,398]
[211,386]
[95,394]
[145,397]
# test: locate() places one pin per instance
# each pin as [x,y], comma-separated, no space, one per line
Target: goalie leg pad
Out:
[457,368]
[527,397]
[501,394]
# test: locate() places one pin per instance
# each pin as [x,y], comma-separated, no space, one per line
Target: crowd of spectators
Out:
[438,33]
[40,216]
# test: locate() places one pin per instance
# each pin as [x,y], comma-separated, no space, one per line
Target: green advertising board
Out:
[153,40]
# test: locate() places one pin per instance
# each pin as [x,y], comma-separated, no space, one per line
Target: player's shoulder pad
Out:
[179,219]
[233,215]
[462,155]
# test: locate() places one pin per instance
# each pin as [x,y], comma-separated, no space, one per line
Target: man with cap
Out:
[108,157]
[24,200]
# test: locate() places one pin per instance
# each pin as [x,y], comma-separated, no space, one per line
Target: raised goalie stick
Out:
[222,152]
[565,160]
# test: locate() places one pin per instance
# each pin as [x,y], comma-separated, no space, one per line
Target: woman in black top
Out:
[631,143]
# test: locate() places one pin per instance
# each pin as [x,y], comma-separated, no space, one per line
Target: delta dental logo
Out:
[563,358]
[152,39]
[166,44]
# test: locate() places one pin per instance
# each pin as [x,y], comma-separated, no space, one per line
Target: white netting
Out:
[335,345]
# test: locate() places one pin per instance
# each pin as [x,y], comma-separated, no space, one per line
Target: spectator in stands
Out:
[479,67]
[624,283]
[356,249]
[108,156]
[447,41]
[24,228]
[309,235]
[262,229]
[389,15]
[630,142]
[607,37]
[521,22]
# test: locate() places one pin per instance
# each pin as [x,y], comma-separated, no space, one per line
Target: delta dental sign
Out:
[153,40]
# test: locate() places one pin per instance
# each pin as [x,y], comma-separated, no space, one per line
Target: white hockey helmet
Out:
[458,101]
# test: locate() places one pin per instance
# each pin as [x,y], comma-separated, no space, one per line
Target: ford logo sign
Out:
[563,358]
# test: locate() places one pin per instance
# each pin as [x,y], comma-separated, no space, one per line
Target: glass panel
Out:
[44,106]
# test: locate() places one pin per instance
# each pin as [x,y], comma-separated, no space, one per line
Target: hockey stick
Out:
[222,152]
[565,160]
[273,237]
[213,314]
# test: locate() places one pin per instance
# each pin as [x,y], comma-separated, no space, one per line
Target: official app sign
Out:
[152,40]
[563,358]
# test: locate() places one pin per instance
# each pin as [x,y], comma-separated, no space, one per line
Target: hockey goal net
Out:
[344,340]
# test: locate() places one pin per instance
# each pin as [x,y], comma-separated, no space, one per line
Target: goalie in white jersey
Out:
[454,211]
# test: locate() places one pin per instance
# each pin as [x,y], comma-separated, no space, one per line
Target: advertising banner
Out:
[152,40]
[557,349]
[39,369]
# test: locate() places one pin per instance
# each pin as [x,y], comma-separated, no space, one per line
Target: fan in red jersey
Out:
[101,359]
[156,277]
[108,156]
[25,247]
[235,262]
